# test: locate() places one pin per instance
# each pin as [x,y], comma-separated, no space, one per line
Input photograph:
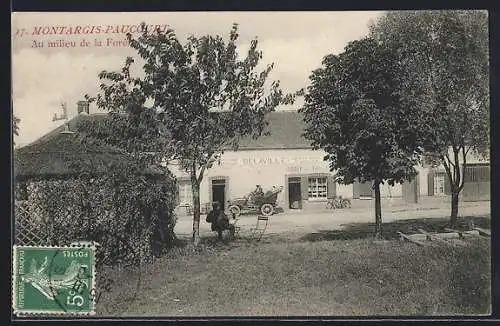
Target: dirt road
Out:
[305,221]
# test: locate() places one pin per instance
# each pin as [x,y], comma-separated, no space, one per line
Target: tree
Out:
[203,98]
[444,56]
[354,113]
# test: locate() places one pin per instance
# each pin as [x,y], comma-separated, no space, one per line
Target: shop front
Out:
[304,176]
[306,180]
[285,159]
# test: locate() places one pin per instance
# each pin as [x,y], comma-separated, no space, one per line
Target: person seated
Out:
[256,194]
[212,215]
[219,220]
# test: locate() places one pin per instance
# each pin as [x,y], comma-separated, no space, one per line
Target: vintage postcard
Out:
[203,164]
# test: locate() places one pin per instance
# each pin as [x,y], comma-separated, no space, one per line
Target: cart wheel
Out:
[233,209]
[267,209]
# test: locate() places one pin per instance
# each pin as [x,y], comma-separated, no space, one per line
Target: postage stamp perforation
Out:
[13,279]
[93,287]
[82,246]
[60,286]
[54,314]
[39,247]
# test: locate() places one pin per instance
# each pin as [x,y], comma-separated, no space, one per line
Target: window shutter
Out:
[331,187]
[430,184]
[304,187]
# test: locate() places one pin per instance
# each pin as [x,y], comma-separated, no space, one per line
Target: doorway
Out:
[219,191]
[294,193]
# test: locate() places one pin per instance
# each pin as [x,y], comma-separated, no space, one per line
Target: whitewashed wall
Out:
[247,168]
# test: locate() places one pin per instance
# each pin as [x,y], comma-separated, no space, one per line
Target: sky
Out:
[46,74]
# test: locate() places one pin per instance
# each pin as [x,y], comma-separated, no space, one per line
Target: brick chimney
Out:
[83,107]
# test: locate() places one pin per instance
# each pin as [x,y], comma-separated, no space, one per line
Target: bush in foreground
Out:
[130,215]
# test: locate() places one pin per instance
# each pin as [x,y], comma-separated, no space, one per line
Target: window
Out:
[317,188]
[439,185]
[185,194]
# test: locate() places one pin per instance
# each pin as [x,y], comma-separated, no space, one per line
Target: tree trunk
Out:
[454,208]
[196,212]
[455,184]
[378,210]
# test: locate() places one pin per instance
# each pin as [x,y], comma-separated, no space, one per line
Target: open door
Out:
[294,193]
[219,192]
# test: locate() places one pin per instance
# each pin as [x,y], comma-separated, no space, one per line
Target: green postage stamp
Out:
[53,280]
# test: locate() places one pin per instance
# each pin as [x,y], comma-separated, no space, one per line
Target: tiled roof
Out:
[71,125]
[286,128]
[54,153]
[60,153]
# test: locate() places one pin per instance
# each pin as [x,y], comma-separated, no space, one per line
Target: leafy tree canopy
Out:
[444,60]
[444,55]
[194,100]
[355,113]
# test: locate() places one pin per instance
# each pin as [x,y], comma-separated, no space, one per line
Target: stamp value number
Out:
[53,280]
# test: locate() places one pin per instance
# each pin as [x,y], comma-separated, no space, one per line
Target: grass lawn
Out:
[305,277]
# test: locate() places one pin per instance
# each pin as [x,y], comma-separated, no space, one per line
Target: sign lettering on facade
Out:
[286,160]
[294,169]
[294,164]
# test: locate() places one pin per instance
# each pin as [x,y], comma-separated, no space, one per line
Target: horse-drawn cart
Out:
[264,204]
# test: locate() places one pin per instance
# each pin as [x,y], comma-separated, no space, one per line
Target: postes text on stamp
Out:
[53,280]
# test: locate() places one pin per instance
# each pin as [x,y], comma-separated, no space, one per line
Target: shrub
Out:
[129,214]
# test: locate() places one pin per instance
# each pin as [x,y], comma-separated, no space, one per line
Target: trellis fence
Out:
[29,226]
